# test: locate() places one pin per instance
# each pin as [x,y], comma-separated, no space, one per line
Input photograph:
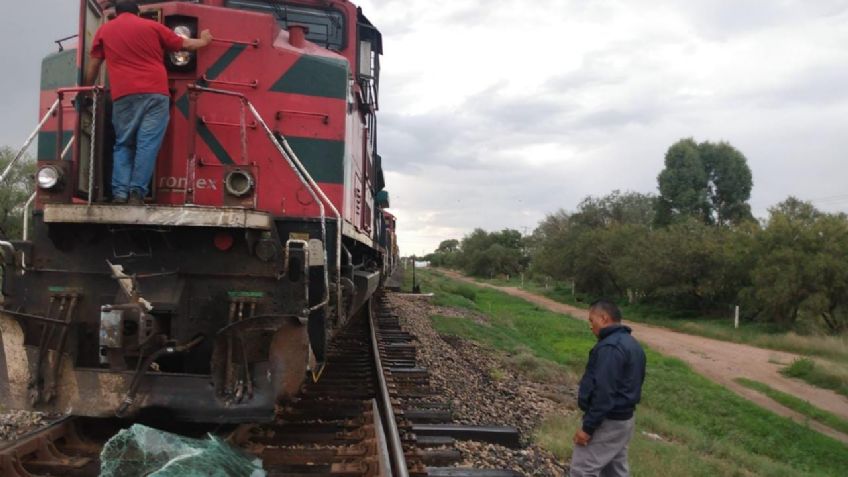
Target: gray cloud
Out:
[27,31]
[820,84]
[723,19]
[526,142]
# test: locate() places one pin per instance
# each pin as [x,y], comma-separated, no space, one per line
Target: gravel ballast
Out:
[14,424]
[483,391]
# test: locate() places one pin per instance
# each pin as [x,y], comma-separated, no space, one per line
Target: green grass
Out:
[818,375]
[798,405]
[764,335]
[706,429]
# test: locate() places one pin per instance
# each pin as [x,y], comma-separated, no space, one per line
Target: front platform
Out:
[159,215]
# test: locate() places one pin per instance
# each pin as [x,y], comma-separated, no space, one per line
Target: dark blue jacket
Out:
[612,384]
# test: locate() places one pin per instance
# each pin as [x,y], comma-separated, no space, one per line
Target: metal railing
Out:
[29,140]
[315,191]
[31,199]
[56,108]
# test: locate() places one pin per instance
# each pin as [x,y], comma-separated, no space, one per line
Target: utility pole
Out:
[415,287]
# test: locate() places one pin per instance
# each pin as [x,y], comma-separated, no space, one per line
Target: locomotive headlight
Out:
[182,58]
[238,183]
[47,177]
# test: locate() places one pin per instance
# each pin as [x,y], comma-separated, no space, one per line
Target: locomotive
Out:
[263,233]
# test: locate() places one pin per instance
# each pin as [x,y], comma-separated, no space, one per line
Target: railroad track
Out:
[371,414]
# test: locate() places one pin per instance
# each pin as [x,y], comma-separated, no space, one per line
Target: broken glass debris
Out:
[144,451]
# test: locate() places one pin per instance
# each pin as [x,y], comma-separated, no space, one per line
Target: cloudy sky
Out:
[497,112]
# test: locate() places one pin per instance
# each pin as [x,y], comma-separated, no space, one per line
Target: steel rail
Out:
[23,439]
[39,447]
[397,456]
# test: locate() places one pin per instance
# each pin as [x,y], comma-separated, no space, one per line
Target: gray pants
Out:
[606,453]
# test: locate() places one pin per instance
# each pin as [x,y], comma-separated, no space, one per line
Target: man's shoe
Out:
[119,200]
[136,198]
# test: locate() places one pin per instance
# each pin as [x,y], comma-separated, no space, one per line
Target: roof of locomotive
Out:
[372,31]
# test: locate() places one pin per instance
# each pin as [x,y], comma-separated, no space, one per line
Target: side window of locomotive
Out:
[368,64]
[326,27]
[366,67]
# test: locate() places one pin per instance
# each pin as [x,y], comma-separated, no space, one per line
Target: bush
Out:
[465,291]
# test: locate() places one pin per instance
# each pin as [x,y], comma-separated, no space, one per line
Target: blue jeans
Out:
[140,121]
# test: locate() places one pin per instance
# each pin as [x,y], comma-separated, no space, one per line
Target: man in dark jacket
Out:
[609,391]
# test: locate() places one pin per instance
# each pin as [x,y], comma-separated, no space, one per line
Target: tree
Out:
[729,183]
[801,275]
[617,207]
[14,192]
[550,244]
[487,254]
[682,184]
[689,265]
[589,245]
[448,246]
[711,182]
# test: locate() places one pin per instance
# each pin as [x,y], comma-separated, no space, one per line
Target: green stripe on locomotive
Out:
[58,70]
[315,76]
[324,159]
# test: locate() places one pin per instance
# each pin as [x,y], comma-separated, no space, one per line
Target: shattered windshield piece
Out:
[144,451]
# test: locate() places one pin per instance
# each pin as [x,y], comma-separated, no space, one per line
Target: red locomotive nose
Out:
[223,241]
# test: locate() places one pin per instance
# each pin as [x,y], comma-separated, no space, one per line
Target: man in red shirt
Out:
[134,50]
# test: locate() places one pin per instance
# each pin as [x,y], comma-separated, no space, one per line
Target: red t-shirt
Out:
[134,50]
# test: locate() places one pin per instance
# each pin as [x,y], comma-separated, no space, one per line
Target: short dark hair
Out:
[607,307]
[126,6]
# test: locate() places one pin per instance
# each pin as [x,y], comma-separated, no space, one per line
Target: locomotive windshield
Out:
[326,27]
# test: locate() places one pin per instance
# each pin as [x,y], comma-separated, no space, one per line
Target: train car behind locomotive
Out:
[262,234]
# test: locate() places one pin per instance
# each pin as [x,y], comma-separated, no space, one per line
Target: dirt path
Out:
[720,361]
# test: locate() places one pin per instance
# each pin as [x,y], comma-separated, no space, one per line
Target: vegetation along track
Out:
[720,361]
[369,415]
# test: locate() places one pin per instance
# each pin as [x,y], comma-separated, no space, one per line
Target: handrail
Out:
[56,105]
[68,147]
[95,90]
[29,140]
[324,197]
[79,89]
[306,179]
[25,234]
[93,134]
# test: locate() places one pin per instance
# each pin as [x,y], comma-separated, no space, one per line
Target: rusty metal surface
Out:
[13,393]
[53,450]
[332,427]
[159,215]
